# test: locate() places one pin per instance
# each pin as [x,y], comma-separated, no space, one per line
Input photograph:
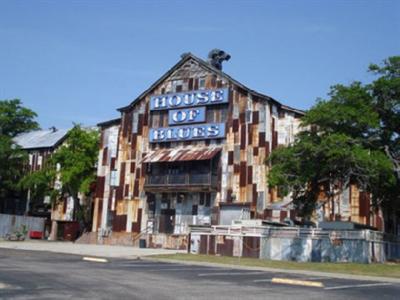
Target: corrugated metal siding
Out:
[182,154]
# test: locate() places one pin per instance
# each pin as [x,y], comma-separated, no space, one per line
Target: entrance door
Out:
[167,221]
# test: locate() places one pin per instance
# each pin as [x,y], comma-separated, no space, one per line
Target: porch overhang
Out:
[181,154]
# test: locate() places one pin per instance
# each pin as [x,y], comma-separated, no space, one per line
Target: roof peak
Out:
[188,55]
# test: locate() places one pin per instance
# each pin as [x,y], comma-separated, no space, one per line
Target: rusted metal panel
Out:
[119,223]
[249,174]
[255,195]
[133,167]
[283,215]
[100,186]
[136,226]
[243,169]
[242,118]
[122,175]
[235,125]
[105,156]
[133,141]
[230,158]
[275,140]
[112,164]
[126,192]
[243,137]
[203,244]
[255,151]
[211,245]
[249,135]
[267,151]
[140,124]
[182,154]
[225,248]
[136,188]
[126,121]
[119,193]
[251,246]
[364,208]
[261,139]
[267,213]
[256,117]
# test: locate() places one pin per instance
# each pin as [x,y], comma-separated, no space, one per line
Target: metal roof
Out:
[108,123]
[40,138]
[187,56]
[182,154]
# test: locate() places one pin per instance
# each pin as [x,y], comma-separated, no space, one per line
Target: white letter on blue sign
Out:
[160,102]
[188,99]
[179,116]
[177,102]
[193,114]
[217,96]
[158,135]
[202,97]
[213,130]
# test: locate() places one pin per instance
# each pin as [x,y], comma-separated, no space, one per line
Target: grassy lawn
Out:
[385,270]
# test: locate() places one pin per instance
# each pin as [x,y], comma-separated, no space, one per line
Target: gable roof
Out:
[41,138]
[209,67]
[108,123]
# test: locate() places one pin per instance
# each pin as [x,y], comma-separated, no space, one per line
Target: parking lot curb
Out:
[276,270]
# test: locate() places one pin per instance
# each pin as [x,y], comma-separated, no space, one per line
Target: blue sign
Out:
[187,133]
[187,115]
[189,99]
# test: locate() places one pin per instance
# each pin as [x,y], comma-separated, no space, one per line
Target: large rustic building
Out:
[190,150]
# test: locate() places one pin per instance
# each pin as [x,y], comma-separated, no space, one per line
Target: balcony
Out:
[182,182]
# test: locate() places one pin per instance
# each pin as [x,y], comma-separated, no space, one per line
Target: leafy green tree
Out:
[73,165]
[14,119]
[353,137]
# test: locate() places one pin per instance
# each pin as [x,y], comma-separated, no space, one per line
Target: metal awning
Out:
[181,154]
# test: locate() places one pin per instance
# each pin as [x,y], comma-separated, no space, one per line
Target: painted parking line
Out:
[94,259]
[342,287]
[297,282]
[4,286]
[298,278]
[229,274]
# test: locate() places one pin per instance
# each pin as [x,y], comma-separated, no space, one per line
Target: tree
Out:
[14,119]
[351,138]
[73,165]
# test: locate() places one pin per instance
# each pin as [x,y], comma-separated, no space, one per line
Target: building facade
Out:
[190,150]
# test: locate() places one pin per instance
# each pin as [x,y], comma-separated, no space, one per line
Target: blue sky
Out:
[77,61]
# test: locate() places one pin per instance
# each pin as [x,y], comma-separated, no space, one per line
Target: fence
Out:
[12,223]
[296,244]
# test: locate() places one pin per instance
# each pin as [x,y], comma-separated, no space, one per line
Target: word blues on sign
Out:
[187,115]
[187,133]
[188,99]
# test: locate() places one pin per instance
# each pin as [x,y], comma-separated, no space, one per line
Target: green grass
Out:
[384,270]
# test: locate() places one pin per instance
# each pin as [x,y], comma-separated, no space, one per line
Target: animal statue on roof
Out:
[216,57]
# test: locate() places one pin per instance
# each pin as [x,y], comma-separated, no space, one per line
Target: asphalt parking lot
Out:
[42,275]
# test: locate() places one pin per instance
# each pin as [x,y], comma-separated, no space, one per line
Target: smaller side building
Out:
[40,145]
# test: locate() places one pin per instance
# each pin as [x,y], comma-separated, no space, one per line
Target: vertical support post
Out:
[28,201]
